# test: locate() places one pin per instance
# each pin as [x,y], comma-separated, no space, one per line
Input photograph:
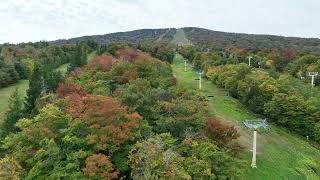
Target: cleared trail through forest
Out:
[281,155]
[180,38]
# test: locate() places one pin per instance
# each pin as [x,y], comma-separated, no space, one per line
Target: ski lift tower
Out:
[255,125]
[312,75]
[249,58]
[200,76]
[185,65]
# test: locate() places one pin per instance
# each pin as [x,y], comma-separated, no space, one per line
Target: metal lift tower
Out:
[185,65]
[200,76]
[313,75]
[261,123]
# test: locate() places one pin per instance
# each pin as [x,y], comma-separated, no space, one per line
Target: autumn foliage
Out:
[131,55]
[98,166]
[102,63]
[220,133]
[69,89]
[95,126]
[127,76]
[109,122]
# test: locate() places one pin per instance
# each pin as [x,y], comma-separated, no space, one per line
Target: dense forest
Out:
[17,61]
[117,116]
[123,115]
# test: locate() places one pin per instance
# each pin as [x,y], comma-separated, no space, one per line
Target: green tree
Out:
[154,159]
[36,83]
[14,113]
[164,157]
[139,96]
[52,79]
[291,111]
[256,89]
[80,57]
[178,114]
[47,147]
[9,169]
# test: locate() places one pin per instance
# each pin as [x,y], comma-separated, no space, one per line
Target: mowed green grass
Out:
[6,92]
[281,155]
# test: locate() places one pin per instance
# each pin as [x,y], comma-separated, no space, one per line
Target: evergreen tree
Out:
[102,49]
[14,76]
[20,70]
[79,59]
[35,88]
[52,79]
[14,113]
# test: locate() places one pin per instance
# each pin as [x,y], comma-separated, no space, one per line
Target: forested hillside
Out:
[120,116]
[137,36]
[206,37]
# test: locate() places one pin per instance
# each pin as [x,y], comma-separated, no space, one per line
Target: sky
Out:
[35,20]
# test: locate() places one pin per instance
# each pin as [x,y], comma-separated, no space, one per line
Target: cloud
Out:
[34,20]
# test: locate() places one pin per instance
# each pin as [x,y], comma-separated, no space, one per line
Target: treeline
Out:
[206,37]
[121,116]
[163,52]
[10,73]
[17,61]
[267,86]
[14,63]
[283,100]
[43,79]
[273,61]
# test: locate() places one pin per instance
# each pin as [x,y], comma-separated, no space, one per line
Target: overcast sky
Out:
[34,20]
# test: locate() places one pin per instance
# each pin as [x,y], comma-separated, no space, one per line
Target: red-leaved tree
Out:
[98,166]
[102,63]
[109,122]
[69,89]
[131,55]
[222,134]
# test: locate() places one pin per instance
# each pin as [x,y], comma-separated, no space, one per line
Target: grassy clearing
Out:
[6,92]
[281,155]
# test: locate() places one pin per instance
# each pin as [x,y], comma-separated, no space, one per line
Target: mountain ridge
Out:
[133,36]
[205,37]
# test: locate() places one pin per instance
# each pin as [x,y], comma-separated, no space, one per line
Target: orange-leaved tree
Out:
[110,123]
[99,166]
